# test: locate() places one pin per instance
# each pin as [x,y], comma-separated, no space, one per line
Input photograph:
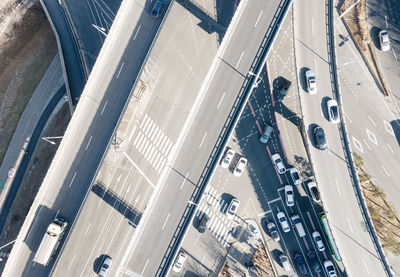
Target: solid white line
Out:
[146,118]
[131,134]
[220,101]
[312,25]
[137,32]
[73,178]
[239,60]
[140,171]
[259,16]
[87,229]
[201,143]
[366,144]
[165,222]
[351,228]
[120,70]
[384,169]
[348,117]
[184,180]
[72,261]
[337,186]
[373,123]
[144,268]
[315,66]
[104,107]
[264,213]
[87,146]
[274,200]
[390,148]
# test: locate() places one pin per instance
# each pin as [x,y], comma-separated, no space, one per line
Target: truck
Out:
[50,241]
[285,85]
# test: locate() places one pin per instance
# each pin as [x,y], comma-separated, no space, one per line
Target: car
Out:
[312,257]
[280,167]
[294,173]
[318,241]
[267,134]
[319,135]
[228,157]
[232,208]
[240,165]
[283,221]
[333,111]
[301,265]
[105,266]
[384,40]
[203,223]
[273,231]
[314,192]
[155,11]
[289,195]
[179,262]
[285,262]
[254,229]
[330,268]
[311,82]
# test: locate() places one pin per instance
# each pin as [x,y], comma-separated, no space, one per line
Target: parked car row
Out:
[229,157]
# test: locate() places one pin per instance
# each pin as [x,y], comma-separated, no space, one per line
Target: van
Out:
[267,134]
[299,226]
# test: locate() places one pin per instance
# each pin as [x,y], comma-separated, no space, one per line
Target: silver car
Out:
[333,111]
[267,134]
[311,82]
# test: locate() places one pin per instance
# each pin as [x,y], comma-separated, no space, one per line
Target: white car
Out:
[294,173]
[273,231]
[314,192]
[283,221]
[330,268]
[240,165]
[232,208]
[318,240]
[105,267]
[311,82]
[333,111]
[280,167]
[226,161]
[179,262]
[289,195]
[384,40]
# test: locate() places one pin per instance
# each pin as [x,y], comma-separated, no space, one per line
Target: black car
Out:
[203,223]
[301,265]
[320,137]
[314,261]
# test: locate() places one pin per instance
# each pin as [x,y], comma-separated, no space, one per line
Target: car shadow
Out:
[324,108]
[302,78]
[98,261]
[396,129]
[310,134]
[373,32]
[226,198]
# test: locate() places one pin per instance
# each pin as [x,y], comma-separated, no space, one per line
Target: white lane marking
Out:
[73,178]
[366,144]
[137,32]
[348,117]
[264,213]
[390,148]
[239,60]
[366,267]
[388,127]
[87,146]
[87,229]
[58,211]
[119,72]
[312,25]
[315,66]
[184,180]
[201,143]
[146,118]
[259,16]
[394,54]
[351,228]
[384,169]
[202,260]
[357,145]
[371,136]
[140,171]
[144,268]
[373,123]
[337,186]
[104,107]
[274,200]
[220,101]
[165,222]
[131,134]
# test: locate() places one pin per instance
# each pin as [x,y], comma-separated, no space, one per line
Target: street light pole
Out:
[48,139]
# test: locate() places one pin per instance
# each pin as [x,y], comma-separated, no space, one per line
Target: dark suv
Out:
[301,265]
[203,223]
[319,135]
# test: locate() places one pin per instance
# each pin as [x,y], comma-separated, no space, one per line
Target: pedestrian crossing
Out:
[219,225]
[152,143]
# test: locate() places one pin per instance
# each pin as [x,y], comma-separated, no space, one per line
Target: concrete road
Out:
[354,243]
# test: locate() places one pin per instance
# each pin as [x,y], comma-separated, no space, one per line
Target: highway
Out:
[354,243]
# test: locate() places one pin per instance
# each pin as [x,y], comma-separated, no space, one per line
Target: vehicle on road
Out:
[285,262]
[311,82]
[240,166]
[314,263]
[105,266]
[155,12]
[319,135]
[179,262]
[294,173]
[301,265]
[280,167]
[232,208]
[289,195]
[273,231]
[228,157]
[318,241]
[267,134]
[283,221]
[283,91]
[50,241]
[203,223]
[298,225]
[329,236]
[314,192]
[333,111]
[384,40]
[330,268]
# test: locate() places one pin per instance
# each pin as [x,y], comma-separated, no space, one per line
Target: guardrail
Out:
[250,82]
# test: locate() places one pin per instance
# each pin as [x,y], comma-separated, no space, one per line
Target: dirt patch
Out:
[356,23]
[25,55]
[35,173]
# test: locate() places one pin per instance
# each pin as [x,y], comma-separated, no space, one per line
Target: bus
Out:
[328,233]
